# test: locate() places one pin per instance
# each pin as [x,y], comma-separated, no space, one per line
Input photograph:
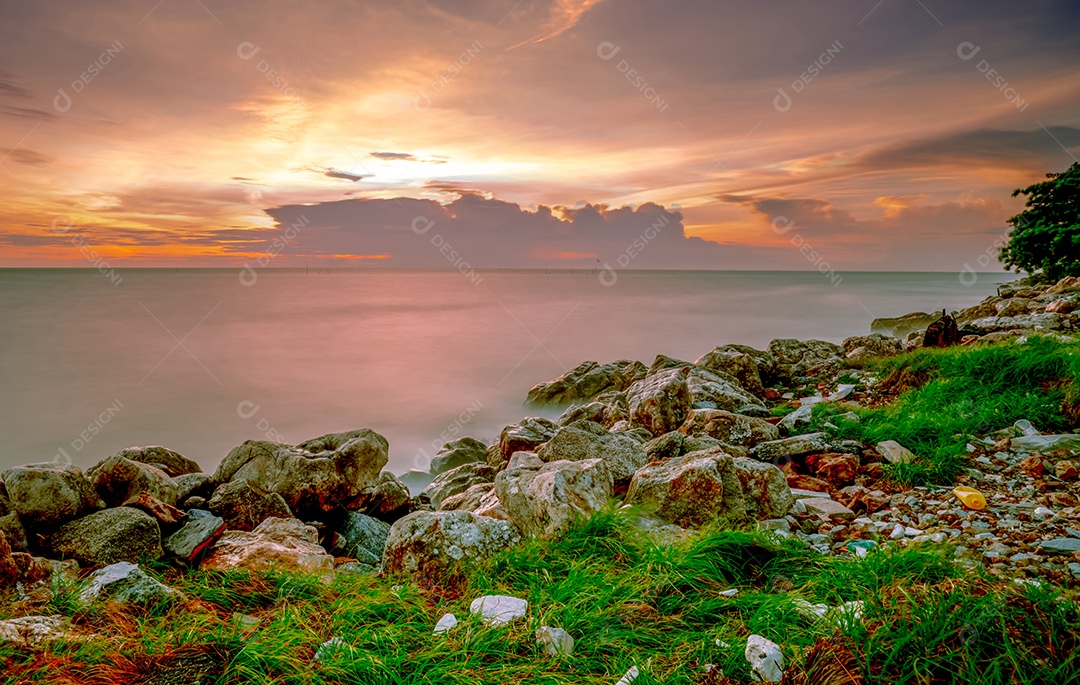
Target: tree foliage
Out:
[1045,238]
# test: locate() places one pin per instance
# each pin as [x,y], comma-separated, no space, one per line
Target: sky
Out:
[699,134]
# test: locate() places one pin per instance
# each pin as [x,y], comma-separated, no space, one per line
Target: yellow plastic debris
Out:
[972,498]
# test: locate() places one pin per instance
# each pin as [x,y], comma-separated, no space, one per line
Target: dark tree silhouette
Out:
[1045,238]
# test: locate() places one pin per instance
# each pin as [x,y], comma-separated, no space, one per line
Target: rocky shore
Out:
[729,437]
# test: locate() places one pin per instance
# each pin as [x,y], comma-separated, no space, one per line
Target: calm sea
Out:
[201,360]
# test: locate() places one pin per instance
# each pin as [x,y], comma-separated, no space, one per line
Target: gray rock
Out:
[593,411]
[283,545]
[587,440]
[765,490]
[195,537]
[720,390]
[894,453]
[126,583]
[244,505]
[107,537]
[458,453]
[733,429]
[317,476]
[49,494]
[666,446]
[828,507]
[447,622]
[901,326]
[197,484]
[524,436]
[586,381]
[457,481]
[791,423]
[171,462]
[797,359]
[498,610]
[554,641]
[355,568]
[1060,545]
[32,632]
[436,542]
[691,490]
[416,480]
[660,402]
[118,479]
[778,451]
[545,502]
[365,538]
[387,499]
[738,364]
[873,345]
[765,658]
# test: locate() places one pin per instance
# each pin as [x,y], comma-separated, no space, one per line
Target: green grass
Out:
[623,600]
[970,391]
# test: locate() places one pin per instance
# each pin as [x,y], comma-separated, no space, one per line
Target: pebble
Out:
[497,610]
[445,623]
[765,658]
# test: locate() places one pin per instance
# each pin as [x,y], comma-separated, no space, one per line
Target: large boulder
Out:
[787,449]
[661,401]
[244,505]
[49,494]
[690,491]
[194,538]
[734,362]
[524,436]
[586,381]
[458,453]
[734,429]
[470,500]
[275,545]
[901,326]
[545,502]
[107,537]
[873,345]
[457,481]
[434,543]
[388,499]
[364,538]
[118,479]
[13,529]
[193,484]
[720,390]
[766,494]
[592,411]
[315,477]
[806,358]
[169,461]
[622,453]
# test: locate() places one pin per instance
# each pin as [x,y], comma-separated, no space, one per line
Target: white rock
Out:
[897,532]
[334,647]
[842,391]
[731,592]
[630,676]
[33,631]
[445,623]
[555,641]
[497,610]
[766,659]
[1043,513]
[912,532]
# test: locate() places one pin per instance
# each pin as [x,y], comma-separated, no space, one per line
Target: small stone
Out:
[33,631]
[355,568]
[555,641]
[894,453]
[1061,545]
[445,623]
[1042,513]
[897,532]
[781,525]
[1065,470]
[333,648]
[497,610]
[1074,568]
[766,659]
[828,507]
[730,592]
[629,677]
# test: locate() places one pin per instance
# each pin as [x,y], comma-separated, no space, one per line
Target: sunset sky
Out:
[713,134]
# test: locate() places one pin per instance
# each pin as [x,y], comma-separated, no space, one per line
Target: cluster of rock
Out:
[150,503]
[1018,309]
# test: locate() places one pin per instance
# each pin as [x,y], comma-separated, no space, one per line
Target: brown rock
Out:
[1065,469]
[276,544]
[1033,466]
[838,469]
[165,514]
[118,479]
[942,333]
[9,572]
[690,490]
[803,482]
[244,505]
[734,429]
